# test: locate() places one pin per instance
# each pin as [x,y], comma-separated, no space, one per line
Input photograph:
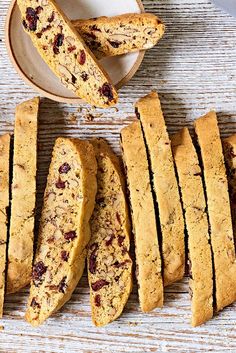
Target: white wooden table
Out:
[194,69]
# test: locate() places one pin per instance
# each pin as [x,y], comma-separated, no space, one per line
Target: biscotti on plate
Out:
[21,238]
[110,36]
[65,52]
[218,205]
[148,110]
[109,263]
[199,249]
[148,258]
[64,228]
[4,205]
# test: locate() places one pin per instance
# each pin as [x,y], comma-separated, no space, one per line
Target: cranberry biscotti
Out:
[21,239]
[4,205]
[64,228]
[110,36]
[199,249]
[65,52]
[218,204]
[148,258]
[109,263]
[148,110]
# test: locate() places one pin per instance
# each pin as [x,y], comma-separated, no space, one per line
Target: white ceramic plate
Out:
[34,70]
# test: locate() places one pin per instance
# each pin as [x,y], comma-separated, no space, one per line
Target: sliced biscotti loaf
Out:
[4,205]
[218,209]
[199,249]
[65,52]
[21,239]
[109,263]
[148,110]
[148,258]
[109,36]
[64,228]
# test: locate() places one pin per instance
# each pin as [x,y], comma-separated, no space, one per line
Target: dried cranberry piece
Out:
[60,184]
[92,258]
[120,240]
[118,264]
[106,91]
[99,284]
[64,255]
[84,76]
[62,285]
[38,9]
[109,241]
[81,57]
[58,41]
[70,235]
[34,304]
[64,168]
[71,48]
[31,18]
[38,270]
[73,79]
[97,300]
[114,44]
[51,18]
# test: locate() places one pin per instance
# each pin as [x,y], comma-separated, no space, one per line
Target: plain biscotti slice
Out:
[109,36]
[148,110]
[199,249]
[64,228]
[65,52]
[4,205]
[218,209]
[21,239]
[109,263]
[148,258]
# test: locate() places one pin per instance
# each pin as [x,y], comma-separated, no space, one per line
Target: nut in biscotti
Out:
[65,52]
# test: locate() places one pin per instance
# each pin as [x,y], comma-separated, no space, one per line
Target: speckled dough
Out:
[64,228]
[65,52]
[109,263]
[149,111]
[218,209]
[109,36]
[20,248]
[4,204]
[199,250]
[148,258]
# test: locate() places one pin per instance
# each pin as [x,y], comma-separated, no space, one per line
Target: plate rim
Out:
[44,92]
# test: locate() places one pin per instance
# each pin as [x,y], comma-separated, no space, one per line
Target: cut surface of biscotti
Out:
[109,263]
[229,147]
[148,258]
[65,52]
[148,110]
[4,205]
[21,238]
[110,36]
[218,209]
[64,228]
[194,204]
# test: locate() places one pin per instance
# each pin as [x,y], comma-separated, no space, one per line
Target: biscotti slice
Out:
[148,110]
[65,52]
[21,239]
[218,209]
[109,36]
[148,258]
[64,228]
[4,205]
[109,263]
[229,147]
[199,249]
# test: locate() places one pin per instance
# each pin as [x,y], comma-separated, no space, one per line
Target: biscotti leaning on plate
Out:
[65,52]
[110,36]
[64,228]
[109,263]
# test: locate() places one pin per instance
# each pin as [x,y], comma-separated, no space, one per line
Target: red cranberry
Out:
[38,9]
[120,240]
[62,285]
[81,57]
[34,304]
[31,18]
[60,184]
[64,255]
[38,270]
[92,258]
[58,41]
[106,91]
[64,168]
[51,18]
[99,284]
[109,241]
[71,48]
[70,235]
[97,300]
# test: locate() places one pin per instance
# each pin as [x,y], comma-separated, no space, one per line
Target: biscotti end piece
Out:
[65,52]
[148,258]
[218,209]
[4,205]
[20,249]
[110,36]
[148,110]
[64,228]
[194,204]
[109,263]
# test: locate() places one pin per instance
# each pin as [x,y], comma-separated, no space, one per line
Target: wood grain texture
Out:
[194,70]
